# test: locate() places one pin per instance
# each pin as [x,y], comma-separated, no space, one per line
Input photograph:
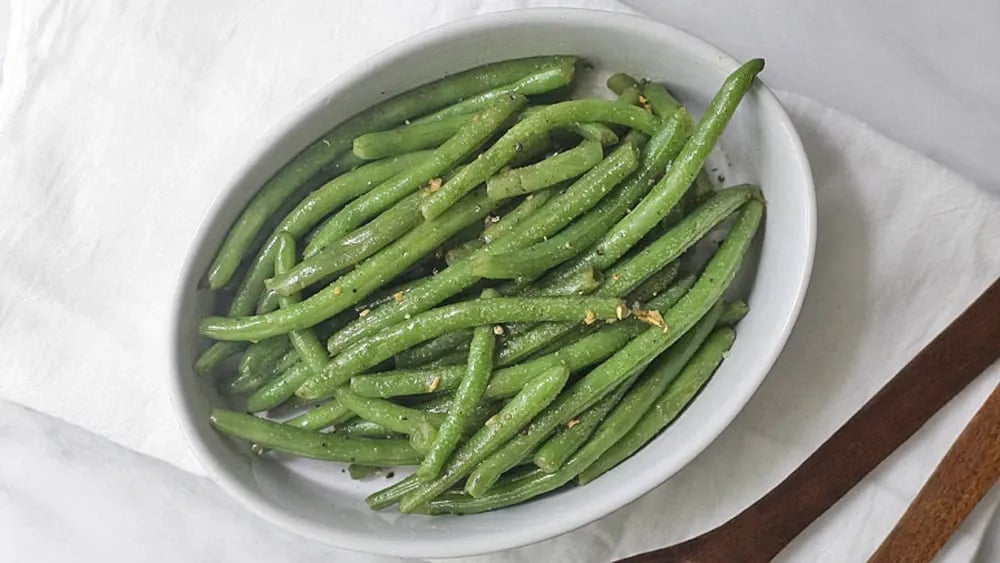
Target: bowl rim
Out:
[509,538]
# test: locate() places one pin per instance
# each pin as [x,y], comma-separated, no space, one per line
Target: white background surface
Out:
[920,72]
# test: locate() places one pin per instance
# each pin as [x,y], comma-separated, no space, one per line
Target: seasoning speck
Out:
[390,475]
[572,423]
[616,277]
[650,317]
[338,290]
[398,296]
[498,330]
[435,383]
[590,318]
[621,311]
[434,186]
[364,313]
[530,197]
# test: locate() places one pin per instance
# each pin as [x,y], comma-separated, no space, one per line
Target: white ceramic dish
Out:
[317,499]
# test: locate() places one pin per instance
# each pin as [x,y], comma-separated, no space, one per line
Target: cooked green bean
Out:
[408,138]
[433,323]
[322,416]
[545,173]
[351,248]
[657,96]
[556,73]
[734,312]
[462,251]
[355,285]
[324,151]
[279,389]
[514,416]
[257,366]
[637,401]
[442,159]
[215,355]
[655,284]
[667,405]
[431,350]
[286,362]
[668,191]
[489,162]
[557,449]
[562,209]
[597,132]
[308,443]
[396,418]
[463,405]
[366,429]
[714,280]
[391,494]
[620,82]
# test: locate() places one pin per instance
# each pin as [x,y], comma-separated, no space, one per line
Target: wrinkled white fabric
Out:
[120,123]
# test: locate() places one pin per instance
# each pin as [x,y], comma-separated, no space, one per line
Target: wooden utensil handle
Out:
[943,368]
[960,481]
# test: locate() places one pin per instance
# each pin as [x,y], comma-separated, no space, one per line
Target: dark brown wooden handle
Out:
[954,358]
[960,481]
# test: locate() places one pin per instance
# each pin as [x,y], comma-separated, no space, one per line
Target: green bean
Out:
[578,198]
[408,138]
[434,349]
[546,173]
[657,96]
[442,159]
[467,398]
[322,416]
[391,494]
[660,281]
[508,381]
[667,405]
[489,162]
[396,418]
[350,249]
[637,401]
[517,413]
[718,274]
[633,271]
[734,312]
[286,362]
[268,302]
[668,191]
[210,360]
[331,146]
[257,366]
[366,429]
[308,443]
[528,206]
[597,132]
[556,73]
[245,383]
[279,389]
[356,284]
[433,323]
[620,82]
[557,449]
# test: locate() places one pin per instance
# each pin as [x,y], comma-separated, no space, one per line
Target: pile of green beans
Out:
[478,284]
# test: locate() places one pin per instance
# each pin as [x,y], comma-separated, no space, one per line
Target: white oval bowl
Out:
[317,499]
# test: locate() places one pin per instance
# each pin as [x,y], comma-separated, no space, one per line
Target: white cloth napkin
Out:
[120,123]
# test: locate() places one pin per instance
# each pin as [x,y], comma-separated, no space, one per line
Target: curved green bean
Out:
[619,82]
[210,360]
[408,138]
[669,190]
[308,443]
[545,173]
[667,405]
[322,416]
[660,99]
[718,274]
[514,416]
[527,207]
[433,323]
[396,418]
[505,148]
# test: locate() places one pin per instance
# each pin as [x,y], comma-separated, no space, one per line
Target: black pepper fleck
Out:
[390,475]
